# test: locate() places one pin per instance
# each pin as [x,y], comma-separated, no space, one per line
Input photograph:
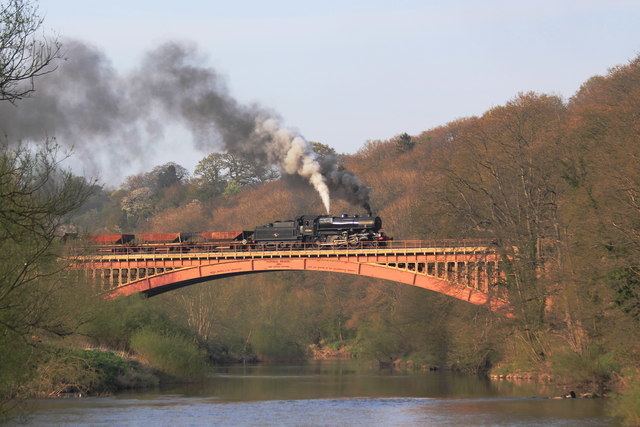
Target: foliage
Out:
[109,366]
[160,177]
[63,370]
[502,184]
[115,322]
[231,189]
[191,217]
[404,142]
[172,353]
[273,344]
[378,341]
[474,343]
[18,359]
[323,150]
[138,203]
[592,368]
[36,196]
[144,195]
[626,404]
[626,285]
[227,173]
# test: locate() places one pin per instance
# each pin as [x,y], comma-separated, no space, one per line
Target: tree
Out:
[504,180]
[323,150]
[403,142]
[36,197]
[227,173]
[23,56]
[210,174]
[166,175]
[602,205]
[35,193]
[158,178]
[138,204]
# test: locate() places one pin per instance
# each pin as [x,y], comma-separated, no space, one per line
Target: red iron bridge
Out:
[468,269]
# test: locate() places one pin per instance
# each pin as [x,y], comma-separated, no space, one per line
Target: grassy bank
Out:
[81,372]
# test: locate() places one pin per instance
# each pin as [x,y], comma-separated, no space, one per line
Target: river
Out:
[326,393]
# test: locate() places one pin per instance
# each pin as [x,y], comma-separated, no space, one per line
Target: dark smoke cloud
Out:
[344,184]
[84,104]
[88,105]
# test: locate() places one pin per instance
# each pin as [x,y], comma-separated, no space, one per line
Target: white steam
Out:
[294,155]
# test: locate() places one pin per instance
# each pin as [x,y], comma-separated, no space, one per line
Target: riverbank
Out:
[73,372]
[329,352]
[70,371]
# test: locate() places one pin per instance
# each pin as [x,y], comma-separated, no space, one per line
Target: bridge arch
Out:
[180,277]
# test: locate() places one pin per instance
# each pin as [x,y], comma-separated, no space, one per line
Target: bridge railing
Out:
[186,248]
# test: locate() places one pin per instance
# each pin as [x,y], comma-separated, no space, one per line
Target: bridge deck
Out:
[283,253]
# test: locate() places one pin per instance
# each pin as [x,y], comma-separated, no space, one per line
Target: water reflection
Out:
[333,379]
[326,394]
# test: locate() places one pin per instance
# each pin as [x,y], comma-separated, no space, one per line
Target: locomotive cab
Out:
[308,227]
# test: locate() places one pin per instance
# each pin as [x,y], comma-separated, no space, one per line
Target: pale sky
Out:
[346,72]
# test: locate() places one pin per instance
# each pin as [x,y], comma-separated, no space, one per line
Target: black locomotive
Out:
[322,230]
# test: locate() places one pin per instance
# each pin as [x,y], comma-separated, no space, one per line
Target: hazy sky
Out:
[345,72]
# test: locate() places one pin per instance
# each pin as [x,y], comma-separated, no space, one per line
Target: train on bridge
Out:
[321,231]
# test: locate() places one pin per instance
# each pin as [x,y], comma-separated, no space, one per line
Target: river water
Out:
[326,393]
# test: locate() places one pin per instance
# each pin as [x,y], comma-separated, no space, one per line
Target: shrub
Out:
[81,371]
[273,344]
[115,322]
[171,353]
[377,341]
[593,367]
[63,372]
[626,405]
[108,366]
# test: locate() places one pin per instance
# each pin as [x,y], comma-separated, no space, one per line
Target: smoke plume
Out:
[88,105]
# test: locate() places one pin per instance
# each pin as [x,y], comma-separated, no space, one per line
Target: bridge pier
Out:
[475,277]
[106,279]
[462,266]
[456,271]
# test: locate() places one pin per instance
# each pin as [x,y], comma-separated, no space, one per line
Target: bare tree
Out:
[503,181]
[35,196]
[24,54]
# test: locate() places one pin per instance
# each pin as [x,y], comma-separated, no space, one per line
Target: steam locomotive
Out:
[322,230]
[307,230]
